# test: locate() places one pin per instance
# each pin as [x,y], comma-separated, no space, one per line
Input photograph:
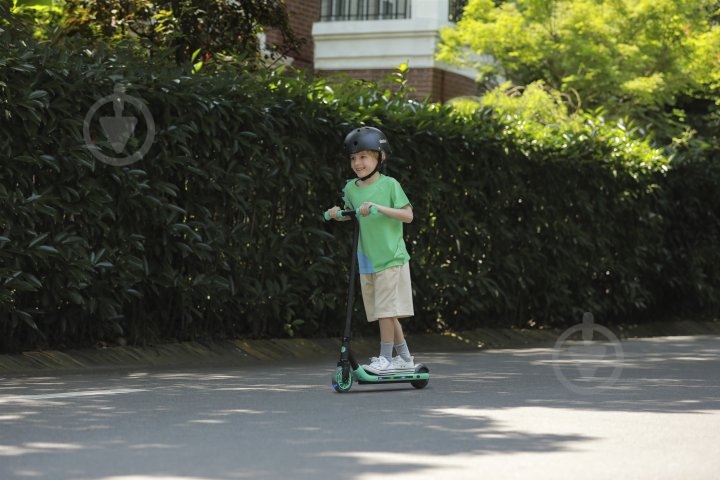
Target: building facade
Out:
[369,39]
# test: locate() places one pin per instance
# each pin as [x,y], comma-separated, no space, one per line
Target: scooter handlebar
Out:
[349,213]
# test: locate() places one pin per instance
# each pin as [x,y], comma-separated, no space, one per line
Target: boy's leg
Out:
[398,336]
[383,363]
[398,339]
[391,335]
[389,291]
[387,335]
[401,347]
[388,329]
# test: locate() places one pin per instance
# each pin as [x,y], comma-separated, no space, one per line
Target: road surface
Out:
[494,414]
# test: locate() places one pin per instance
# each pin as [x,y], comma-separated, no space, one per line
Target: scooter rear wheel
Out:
[420,383]
[337,381]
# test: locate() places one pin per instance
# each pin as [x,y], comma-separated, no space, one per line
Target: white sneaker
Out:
[379,366]
[401,365]
[398,363]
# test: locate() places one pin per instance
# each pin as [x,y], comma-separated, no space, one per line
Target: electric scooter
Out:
[348,369]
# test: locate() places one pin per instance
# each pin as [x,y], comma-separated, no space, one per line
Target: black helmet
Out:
[366,138]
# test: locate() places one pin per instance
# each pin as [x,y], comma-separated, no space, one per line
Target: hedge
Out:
[217,231]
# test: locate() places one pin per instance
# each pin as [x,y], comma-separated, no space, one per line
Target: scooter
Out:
[348,369]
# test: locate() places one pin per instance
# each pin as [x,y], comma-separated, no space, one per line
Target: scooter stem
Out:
[351,283]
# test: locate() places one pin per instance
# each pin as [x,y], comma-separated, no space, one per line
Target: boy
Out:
[382,255]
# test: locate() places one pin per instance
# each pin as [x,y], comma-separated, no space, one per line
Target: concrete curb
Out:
[244,352]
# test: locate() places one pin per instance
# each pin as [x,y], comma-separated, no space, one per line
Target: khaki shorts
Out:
[387,294]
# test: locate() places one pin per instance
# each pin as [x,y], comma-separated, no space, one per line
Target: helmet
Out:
[366,138]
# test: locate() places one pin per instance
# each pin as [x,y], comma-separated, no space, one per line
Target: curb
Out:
[245,352]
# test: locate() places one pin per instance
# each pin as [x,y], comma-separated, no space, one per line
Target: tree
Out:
[189,29]
[634,58]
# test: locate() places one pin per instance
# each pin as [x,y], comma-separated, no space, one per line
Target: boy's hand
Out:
[368,208]
[332,213]
[365,208]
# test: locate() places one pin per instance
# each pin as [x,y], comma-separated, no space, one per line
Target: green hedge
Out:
[217,232]
[691,203]
[534,233]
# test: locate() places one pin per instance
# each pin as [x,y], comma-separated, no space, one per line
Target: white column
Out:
[435,9]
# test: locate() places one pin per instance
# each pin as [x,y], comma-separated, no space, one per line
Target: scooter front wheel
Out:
[338,384]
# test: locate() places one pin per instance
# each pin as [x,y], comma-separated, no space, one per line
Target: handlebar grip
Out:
[327,216]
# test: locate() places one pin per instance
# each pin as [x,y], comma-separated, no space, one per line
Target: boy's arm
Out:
[404,214]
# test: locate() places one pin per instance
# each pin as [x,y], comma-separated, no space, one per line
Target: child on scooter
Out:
[382,255]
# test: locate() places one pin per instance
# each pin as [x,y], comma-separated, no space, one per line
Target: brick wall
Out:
[447,85]
[438,84]
[302,14]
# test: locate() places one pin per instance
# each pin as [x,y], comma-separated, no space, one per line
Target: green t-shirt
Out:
[381,243]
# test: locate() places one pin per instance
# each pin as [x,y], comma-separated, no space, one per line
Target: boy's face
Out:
[363,162]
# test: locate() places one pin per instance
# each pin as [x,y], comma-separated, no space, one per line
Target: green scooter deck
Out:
[364,377]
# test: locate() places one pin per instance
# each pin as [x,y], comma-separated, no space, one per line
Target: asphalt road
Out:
[651,413]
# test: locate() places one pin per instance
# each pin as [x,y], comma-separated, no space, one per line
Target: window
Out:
[343,10]
[456,9]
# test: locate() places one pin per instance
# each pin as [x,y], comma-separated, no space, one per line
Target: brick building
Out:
[368,39]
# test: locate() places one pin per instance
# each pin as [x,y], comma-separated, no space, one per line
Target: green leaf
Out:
[38,239]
